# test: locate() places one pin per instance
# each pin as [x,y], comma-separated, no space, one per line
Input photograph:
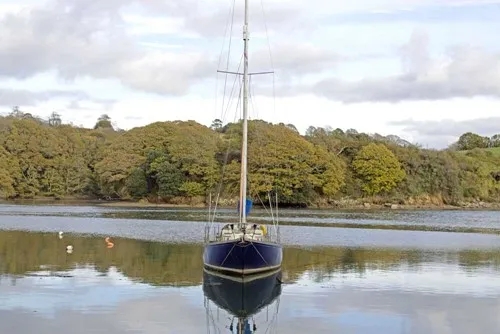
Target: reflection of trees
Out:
[180,264]
[151,262]
[473,259]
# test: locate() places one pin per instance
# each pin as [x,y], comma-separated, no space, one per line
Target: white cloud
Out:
[76,43]
[12,97]
[144,25]
[126,50]
[388,5]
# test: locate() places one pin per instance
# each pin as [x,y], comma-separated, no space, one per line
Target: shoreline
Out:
[339,205]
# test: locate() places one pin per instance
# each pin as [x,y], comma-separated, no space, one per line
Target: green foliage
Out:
[9,171]
[216,125]
[137,183]
[281,160]
[168,177]
[378,168]
[469,141]
[429,172]
[55,119]
[103,122]
[192,189]
[477,174]
[495,141]
[165,160]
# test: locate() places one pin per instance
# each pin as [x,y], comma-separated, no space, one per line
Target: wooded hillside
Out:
[184,162]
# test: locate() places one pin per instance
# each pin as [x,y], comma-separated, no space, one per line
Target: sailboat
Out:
[243,298]
[241,247]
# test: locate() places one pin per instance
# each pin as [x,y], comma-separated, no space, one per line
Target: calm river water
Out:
[399,274]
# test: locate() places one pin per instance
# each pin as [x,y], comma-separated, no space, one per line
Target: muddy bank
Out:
[343,204]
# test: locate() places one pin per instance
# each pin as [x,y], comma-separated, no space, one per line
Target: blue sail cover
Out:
[247,327]
[248,206]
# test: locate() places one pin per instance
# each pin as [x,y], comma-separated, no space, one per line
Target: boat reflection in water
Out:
[242,296]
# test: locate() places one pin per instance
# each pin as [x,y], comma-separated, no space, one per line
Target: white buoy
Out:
[69,249]
[60,234]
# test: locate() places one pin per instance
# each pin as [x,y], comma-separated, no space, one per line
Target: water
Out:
[418,219]
[351,280]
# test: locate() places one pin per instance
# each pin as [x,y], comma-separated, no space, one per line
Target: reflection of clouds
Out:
[173,313]
[82,289]
[438,322]
[437,298]
[427,278]
[396,309]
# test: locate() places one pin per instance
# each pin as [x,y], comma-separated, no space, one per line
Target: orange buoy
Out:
[110,244]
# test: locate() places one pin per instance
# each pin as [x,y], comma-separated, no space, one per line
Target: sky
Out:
[425,70]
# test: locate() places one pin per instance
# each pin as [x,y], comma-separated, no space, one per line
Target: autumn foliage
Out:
[184,161]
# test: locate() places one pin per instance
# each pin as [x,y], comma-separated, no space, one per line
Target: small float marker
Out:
[69,249]
[110,244]
[60,234]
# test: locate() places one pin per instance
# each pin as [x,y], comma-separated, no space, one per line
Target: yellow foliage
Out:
[378,168]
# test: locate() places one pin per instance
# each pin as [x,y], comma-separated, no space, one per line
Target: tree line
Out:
[186,162]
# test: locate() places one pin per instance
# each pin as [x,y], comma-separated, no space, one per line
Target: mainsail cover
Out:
[248,206]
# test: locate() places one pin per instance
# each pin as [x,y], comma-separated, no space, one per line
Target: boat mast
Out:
[244,150]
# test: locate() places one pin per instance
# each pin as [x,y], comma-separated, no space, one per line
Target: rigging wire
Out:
[270,54]
[229,25]
[225,108]
[230,15]
[232,91]
[222,173]
[229,51]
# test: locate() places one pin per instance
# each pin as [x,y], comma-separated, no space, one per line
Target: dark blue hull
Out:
[242,298]
[239,257]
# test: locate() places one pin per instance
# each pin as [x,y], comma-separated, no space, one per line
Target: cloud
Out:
[80,38]
[273,17]
[11,97]
[465,72]
[108,39]
[442,133]
[437,12]
[487,126]
[387,6]
[163,72]
[91,104]
[298,59]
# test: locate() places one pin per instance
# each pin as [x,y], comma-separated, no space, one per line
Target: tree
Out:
[9,171]
[168,177]
[137,184]
[292,127]
[216,125]
[469,141]
[495,141]
[55,119]
[103,122]
[16,112]
[378,168]
[310,131]
[338,132]
[192,189]
[281,160]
